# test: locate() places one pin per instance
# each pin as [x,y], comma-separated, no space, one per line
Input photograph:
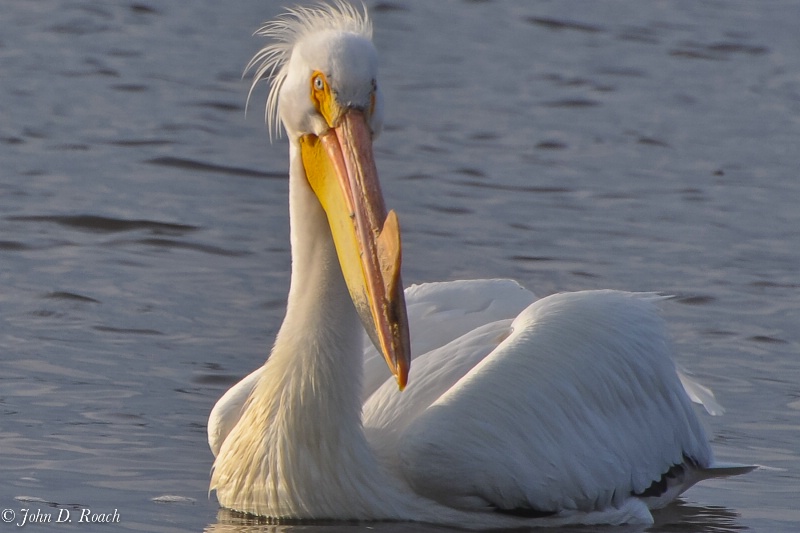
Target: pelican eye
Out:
[319,84]
[323,98]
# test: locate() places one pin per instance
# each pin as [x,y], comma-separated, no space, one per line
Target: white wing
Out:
[443,311]
[228,409]
[575,405]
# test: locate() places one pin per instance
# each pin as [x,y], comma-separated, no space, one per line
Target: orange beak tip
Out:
[402,373]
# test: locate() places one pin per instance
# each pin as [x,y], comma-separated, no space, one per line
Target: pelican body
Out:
[518,411]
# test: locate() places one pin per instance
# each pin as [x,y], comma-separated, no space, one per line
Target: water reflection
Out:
[680,516]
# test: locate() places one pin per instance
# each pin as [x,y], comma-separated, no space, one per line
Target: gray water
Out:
[569,145]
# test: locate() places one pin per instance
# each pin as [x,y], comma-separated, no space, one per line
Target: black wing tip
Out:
[661,485]
[525,512]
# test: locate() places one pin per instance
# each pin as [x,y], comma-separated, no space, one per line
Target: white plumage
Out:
[582,388]
[566,409]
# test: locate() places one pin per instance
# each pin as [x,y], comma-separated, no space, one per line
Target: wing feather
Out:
[443,311]
[577,409]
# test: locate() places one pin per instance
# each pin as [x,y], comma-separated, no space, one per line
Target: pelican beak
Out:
[341,170]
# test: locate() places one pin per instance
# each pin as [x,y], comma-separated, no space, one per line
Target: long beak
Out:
[341,170]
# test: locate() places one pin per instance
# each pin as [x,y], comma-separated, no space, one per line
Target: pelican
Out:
[518,411]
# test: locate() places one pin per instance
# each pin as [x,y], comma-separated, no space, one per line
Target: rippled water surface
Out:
[570,145]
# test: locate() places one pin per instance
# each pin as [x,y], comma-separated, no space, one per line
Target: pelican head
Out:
[323,71]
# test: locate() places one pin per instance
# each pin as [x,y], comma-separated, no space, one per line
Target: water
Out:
[568,145]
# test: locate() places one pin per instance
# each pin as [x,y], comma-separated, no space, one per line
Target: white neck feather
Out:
[299,449]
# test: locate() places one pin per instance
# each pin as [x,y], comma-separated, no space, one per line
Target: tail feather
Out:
[681,477]
[724,470]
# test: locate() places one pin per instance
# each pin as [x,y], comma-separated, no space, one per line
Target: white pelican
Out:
[566,409]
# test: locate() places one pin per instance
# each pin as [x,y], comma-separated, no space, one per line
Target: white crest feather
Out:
[271,62]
